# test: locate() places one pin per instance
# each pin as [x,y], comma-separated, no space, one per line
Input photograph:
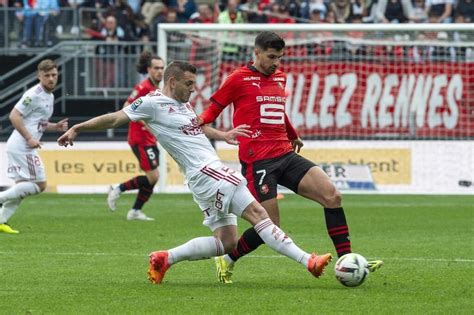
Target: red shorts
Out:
[148,156]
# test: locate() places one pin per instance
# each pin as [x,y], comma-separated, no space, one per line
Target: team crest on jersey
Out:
[27,101]
[264,189]
[137,103]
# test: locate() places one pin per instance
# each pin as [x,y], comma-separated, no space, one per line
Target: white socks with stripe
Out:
[277,240]
[196,249]
[8,209]
[19,191]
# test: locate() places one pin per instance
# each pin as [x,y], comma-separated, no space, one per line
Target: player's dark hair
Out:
[266,40]
[47,65]
[177,69]
[144,62]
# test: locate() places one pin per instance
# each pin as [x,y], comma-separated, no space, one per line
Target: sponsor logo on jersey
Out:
[278,79]
[27,101]
[171,110]
[281,85]
[256,84]
[251,78]
[266,98]
[192,129]
[137,103]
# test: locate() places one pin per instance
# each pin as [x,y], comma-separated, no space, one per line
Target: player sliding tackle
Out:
[219,191]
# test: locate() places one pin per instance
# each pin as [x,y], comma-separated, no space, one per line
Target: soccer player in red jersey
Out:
[269,157]
[142,142]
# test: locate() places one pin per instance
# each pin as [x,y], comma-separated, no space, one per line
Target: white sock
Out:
[196,249]
[19,191]
[8,209]
[277,240]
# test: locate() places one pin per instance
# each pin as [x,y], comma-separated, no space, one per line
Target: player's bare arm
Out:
[16,119]
[61,125]
[228,136]
[107,121]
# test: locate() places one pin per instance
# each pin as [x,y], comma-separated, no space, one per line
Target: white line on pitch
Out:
[250,256]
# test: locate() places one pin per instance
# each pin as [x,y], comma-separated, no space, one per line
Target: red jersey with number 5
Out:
[259,101]
[137,132]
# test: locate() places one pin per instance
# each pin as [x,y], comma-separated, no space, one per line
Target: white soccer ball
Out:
[351,270]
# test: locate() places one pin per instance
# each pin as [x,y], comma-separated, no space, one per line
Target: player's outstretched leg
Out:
[280,242]
[195,249]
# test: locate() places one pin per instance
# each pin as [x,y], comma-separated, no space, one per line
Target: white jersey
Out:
[175,125]
[36,106]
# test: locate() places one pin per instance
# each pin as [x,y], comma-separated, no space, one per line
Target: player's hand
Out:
[34,143]
[62,125]
[68,137]
[240,131]
[297,144]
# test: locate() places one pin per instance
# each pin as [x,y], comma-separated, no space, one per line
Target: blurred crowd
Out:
[117,20]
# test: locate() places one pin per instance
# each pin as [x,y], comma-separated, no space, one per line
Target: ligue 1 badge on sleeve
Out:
[136,104]
[27,101]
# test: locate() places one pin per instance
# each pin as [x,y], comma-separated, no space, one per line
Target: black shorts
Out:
[263,176]
[147,156]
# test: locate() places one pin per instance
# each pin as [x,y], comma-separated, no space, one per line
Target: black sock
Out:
[248,242]
[144,194]
[338,230]
[134,183]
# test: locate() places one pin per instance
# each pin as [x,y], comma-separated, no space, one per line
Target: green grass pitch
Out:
[74,256]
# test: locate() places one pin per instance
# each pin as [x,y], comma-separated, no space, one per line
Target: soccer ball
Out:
[351,270]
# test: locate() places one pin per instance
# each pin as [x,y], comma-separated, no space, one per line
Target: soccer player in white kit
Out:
[30,118]
[220,192]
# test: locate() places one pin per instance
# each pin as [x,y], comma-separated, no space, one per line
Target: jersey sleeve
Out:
[26,104]
[226,93]
[134,95]
[140,109]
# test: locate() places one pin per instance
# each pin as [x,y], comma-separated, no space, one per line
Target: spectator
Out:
[465,8]
[252,12]
[342,10]
[419,12]
[154,13]
[140,30]
[35,14]
[205,14]
[105,65]
[317,16]
[439,11]
[280,14]
[394,11]
[231,14]
[184,9]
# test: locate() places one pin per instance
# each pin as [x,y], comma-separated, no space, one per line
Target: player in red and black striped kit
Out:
[142,142]
[268,157]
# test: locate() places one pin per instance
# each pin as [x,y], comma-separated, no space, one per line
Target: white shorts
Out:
[221,193]
[25,166]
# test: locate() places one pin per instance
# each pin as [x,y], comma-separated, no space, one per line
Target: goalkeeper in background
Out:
[269,157]
[142,142]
